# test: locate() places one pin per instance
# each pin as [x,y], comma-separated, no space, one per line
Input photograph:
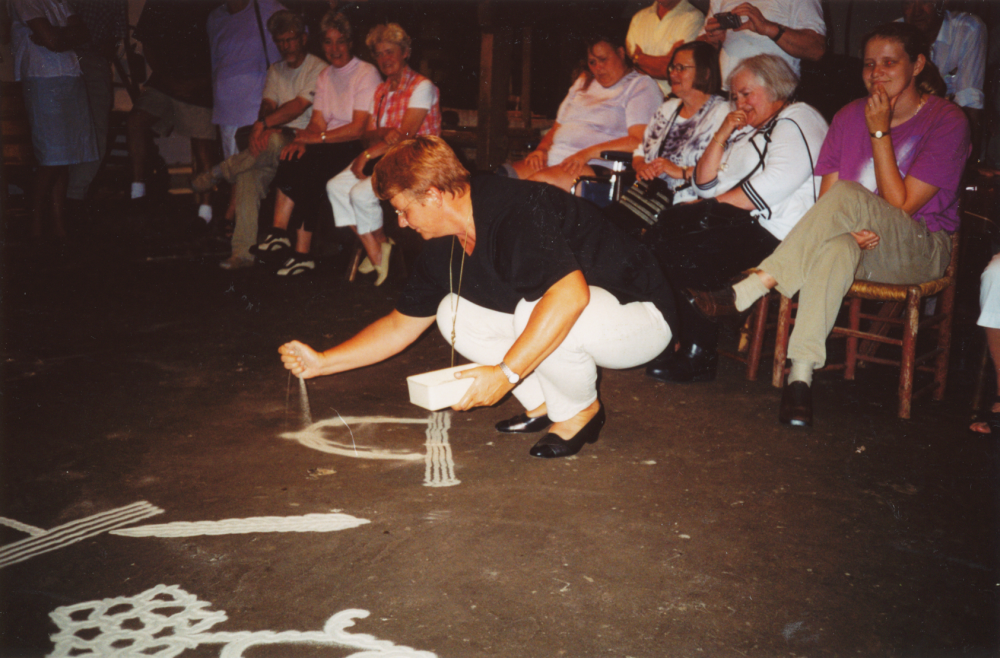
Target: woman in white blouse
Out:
[683,126]
[608,116]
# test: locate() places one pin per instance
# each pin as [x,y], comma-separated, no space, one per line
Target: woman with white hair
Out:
[406,104]
[756,180]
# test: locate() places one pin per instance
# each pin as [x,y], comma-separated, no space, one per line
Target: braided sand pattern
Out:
[163,622]
[439,468]
[306,523]
[74,531]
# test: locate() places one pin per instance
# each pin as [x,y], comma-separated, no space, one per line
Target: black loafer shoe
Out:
[553,445]
[692,363]
[713,303]
[796,405]
[523,424]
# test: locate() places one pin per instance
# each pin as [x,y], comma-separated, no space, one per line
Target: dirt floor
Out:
[696,526]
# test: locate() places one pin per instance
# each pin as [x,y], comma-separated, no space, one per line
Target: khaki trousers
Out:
[820,260]
[251,177]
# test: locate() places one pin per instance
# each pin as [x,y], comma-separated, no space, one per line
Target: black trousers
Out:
[304,180]
[703,246]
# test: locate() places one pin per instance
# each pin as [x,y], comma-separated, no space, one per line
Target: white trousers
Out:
[607,334]
[354,202]
[989,295]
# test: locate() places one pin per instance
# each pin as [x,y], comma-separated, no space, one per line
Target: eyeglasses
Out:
[401,213]
[678,68]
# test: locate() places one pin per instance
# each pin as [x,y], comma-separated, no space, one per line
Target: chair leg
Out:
[781,342]
[352,270]
[757,337]
[910,329]
[947,308]
[854,322]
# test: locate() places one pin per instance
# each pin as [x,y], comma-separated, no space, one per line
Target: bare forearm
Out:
[887,176]
[802,44]
[550,322]
[377,342]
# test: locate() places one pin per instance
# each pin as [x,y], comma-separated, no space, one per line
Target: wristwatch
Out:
[878,134]
[511,376]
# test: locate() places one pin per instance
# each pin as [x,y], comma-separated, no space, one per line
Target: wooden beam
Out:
[494,84]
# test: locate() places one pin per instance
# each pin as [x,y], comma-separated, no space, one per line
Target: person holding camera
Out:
[790,29]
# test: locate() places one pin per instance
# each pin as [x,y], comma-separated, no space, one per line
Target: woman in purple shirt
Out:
[891,166]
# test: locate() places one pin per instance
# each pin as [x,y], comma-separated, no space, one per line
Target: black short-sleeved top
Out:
[529,236]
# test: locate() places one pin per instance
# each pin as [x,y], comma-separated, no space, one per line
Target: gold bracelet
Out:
[322,136]
[722,144]
[368,156]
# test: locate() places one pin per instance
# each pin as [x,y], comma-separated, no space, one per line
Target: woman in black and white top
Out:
[757,178]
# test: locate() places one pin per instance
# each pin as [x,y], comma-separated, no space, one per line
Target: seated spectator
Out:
[331,141]
[288,93]
[406,104]
[989,320]
[683,126]
[791,29]
[177,98]
[958,50]
[757,176]
[608,116]
[903,142]
[43,34]
[655,33]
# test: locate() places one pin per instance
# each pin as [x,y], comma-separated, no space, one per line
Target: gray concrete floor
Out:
[696,526]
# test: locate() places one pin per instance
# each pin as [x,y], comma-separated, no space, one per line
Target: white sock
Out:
[205,212]
[801,371]
[138,190]
[748,291]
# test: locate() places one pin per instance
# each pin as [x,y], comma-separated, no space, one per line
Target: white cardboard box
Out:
[439,389]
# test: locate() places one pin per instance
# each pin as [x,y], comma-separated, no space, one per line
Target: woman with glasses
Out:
[684,124]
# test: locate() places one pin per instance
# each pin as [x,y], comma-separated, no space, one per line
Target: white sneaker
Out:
[297,264]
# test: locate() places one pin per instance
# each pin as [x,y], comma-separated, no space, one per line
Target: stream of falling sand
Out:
[304,403]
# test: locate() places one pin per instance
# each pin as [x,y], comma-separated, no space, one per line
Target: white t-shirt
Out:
[656,36]
[424,96]
[285,84]
[785,186]
[600,114]
[796,14]
[30,59]
[341,92]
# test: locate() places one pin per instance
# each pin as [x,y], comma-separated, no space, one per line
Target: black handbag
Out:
[641,206]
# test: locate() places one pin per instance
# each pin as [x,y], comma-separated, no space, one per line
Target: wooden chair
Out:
[901,306]
[751,342]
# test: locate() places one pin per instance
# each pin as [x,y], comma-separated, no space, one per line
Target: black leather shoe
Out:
[713,304]
[796,405]
[523,424]
[692,363]
[553,445]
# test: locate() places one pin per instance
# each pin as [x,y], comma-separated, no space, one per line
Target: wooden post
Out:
[494,83]
[526,77]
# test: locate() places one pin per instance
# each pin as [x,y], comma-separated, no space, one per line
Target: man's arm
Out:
[377,342]
[59,39]
[801,44]
[280,115]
